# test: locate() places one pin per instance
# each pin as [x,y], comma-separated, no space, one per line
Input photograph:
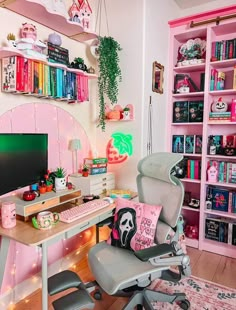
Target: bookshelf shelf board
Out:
[221,157]
[187,124]
[223,63]
[9,52]
[191,68]
[223,92]
[192,155]
[218,247]
[190,180]
[193,243]
[39,13]
[219,213]
[233,185]
[221,123]
[190,209]
[188,95]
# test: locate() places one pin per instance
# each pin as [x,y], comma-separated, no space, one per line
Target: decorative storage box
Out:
[94,184]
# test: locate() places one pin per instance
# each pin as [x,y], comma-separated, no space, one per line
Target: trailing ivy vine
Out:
[109,74]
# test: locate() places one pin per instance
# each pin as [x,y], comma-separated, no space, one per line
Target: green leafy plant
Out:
[60,173]
[85,168]
[109,74]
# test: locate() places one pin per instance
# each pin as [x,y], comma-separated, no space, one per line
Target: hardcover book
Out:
[178,143]
[189,144]
[196,111]
[98,160]
[9,74]
[216,229]
[180,112]
[220,199]
[198,144]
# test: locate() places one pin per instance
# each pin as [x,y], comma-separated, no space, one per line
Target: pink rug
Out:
[202,294]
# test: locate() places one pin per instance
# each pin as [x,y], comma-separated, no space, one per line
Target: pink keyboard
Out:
[82,210]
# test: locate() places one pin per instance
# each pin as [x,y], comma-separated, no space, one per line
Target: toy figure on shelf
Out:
[11,39]
[74,13]
[28,42]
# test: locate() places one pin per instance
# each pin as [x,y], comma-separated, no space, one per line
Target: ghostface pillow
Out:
[134,225]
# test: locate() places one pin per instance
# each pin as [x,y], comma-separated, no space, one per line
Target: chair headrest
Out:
[159,165]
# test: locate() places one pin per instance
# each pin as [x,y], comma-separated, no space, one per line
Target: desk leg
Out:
[44,276]
[5,242]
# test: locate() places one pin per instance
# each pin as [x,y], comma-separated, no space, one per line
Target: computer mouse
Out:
[109,199]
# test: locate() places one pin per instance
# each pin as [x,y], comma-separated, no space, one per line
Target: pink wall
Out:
[61,128]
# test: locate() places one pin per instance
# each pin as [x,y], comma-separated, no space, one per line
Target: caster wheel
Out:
[97,295]
[184,304]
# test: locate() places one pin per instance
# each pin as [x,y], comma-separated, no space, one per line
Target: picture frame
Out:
[157,77]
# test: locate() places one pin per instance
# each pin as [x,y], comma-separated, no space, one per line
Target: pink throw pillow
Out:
[134,224]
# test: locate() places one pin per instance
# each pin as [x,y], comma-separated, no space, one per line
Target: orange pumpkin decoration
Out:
[113,115]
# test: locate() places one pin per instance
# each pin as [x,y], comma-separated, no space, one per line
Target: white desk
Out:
[26,234]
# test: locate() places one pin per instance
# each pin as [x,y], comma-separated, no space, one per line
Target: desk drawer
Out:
[43,205]
[106,215]
[81,227]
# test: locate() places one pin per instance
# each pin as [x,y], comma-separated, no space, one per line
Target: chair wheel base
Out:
[97,295]
[184,304]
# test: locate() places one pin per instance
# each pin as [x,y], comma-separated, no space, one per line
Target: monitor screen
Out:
[23,160]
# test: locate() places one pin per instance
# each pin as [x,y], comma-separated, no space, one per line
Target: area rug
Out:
[202,294]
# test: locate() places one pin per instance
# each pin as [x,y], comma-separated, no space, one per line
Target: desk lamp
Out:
[74,146]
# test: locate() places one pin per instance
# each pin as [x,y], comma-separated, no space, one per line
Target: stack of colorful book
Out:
[20,74]
[96,165]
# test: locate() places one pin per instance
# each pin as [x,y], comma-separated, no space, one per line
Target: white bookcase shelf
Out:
[197,188]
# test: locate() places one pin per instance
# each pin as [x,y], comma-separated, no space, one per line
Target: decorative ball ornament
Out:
[55,39]
[219,106]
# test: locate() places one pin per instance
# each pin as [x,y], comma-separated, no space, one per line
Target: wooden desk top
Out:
[25,233]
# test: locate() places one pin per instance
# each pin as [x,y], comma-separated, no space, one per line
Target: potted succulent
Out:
[85,171]
[60,178]
[109,74]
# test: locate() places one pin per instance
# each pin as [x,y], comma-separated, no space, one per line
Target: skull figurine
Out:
[28,31]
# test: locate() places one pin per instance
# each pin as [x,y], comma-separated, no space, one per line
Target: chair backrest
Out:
[157,186]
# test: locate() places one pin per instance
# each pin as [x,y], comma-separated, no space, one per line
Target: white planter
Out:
[60,183]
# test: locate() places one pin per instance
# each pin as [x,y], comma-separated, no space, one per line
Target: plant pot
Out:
[49,187]
[42,189]
[60,183]
[85,173]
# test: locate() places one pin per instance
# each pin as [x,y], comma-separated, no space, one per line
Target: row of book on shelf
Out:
[218,78]
[220,229]
[221,145]
[190,144]
[225,171]
[96,165]
[224,49]
[20,74]
[188,111]
[220,199]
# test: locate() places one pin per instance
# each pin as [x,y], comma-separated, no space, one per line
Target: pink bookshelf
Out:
[181,33]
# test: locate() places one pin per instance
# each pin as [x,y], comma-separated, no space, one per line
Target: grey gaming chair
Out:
[122,272]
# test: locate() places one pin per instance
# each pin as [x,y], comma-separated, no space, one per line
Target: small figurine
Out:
[212,173]
[85,12]
[219,106]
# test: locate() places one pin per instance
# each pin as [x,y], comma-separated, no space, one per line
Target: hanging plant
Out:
[109,74]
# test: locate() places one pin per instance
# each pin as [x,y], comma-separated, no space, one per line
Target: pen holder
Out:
[8,214]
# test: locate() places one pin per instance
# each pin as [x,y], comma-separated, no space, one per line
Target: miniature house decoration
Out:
[81,13]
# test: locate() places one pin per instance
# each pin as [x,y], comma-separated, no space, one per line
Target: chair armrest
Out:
[155,251]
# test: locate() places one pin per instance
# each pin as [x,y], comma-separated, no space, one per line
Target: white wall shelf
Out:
[36,11]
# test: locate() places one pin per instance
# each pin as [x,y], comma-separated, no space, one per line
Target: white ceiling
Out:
[184,4]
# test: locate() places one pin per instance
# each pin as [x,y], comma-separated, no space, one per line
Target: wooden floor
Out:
[205,265]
